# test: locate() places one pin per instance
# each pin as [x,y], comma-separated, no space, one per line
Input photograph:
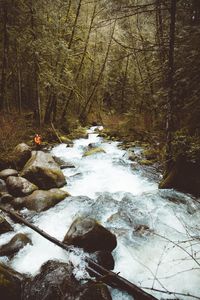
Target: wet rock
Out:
[21,154]
[2,186]
[41,200]
[88,234]
[97,291]
[8,172]
[93,151]
[143,230]
[62,163]
[19,186]
[43,171]
[104,258]
[16,243]
[55,281]
[4,225]
[11,283]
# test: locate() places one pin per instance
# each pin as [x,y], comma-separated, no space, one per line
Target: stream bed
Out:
[158,231]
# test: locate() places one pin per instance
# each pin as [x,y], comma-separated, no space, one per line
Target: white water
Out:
[121,199]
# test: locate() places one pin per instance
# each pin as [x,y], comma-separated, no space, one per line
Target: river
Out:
[157,230]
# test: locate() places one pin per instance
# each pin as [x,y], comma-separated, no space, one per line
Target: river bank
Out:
[157,231]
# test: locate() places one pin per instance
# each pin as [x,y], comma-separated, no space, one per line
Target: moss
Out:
[146,162]
[80,132]
[65,139]
[94,151]
[151,154]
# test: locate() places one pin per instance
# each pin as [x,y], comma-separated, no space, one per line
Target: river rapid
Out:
[157,231]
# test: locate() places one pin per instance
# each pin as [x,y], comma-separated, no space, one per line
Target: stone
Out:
[43,171]
[21,154]
[98,291]
[8,172]
[104,259]
[2,186]
[41,200]
[6,198]
[16,243]
[93,151]
[11,283]
[88,234]
[19,186]
[4,225]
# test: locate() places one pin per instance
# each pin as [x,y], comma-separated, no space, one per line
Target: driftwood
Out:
[110,278]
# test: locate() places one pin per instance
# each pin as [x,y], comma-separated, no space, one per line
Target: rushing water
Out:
[157,231]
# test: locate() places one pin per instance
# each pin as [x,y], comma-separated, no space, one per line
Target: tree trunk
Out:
[124,84]
[71,94]
[170,85]
[90,98]
[4,57]
[75,23]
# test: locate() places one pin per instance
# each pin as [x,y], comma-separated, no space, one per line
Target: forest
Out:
[131,66]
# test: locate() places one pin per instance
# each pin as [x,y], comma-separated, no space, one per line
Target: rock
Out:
[104,258]
[183,176]
[6,198]
[16,243]
[98,291]
[41,200]
[21,154]
[55,281]
[93,151]
[146,162]
[86,233]
[2,186]
[66,140]
[11,283]
[8,172]
[62,163]
[19,186]
[132,156]
[4,225]
[151,154]
[42,170]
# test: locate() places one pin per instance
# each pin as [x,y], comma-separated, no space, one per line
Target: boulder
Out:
[42,170]
[62,163]
[93,151]
[19,186]
[184,176]
[21,154]
[8,172]
[11,283]
[98,291]
[104,259]
[88,234]
[6,198]
[4,225]
[55,281]
[41,200]
[2,186]
[16,243]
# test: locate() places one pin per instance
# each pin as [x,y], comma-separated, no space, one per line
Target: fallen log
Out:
[110,278]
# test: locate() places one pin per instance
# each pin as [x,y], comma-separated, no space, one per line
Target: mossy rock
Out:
[4,225]
[14,245]
[94,151]
[146,162]
[78,133]
[65,139]
[151,154]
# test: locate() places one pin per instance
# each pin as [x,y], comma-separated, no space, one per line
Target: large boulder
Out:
[56,281]
[16,243]
[4,225]
[21,154]
[19,186]
[88,234]
[184,176]
[41,200]
[4,174]
[104,258]
[42,170]
[11,283]
[2,186]
[93,151]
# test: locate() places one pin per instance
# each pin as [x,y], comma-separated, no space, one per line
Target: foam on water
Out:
[164,255]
